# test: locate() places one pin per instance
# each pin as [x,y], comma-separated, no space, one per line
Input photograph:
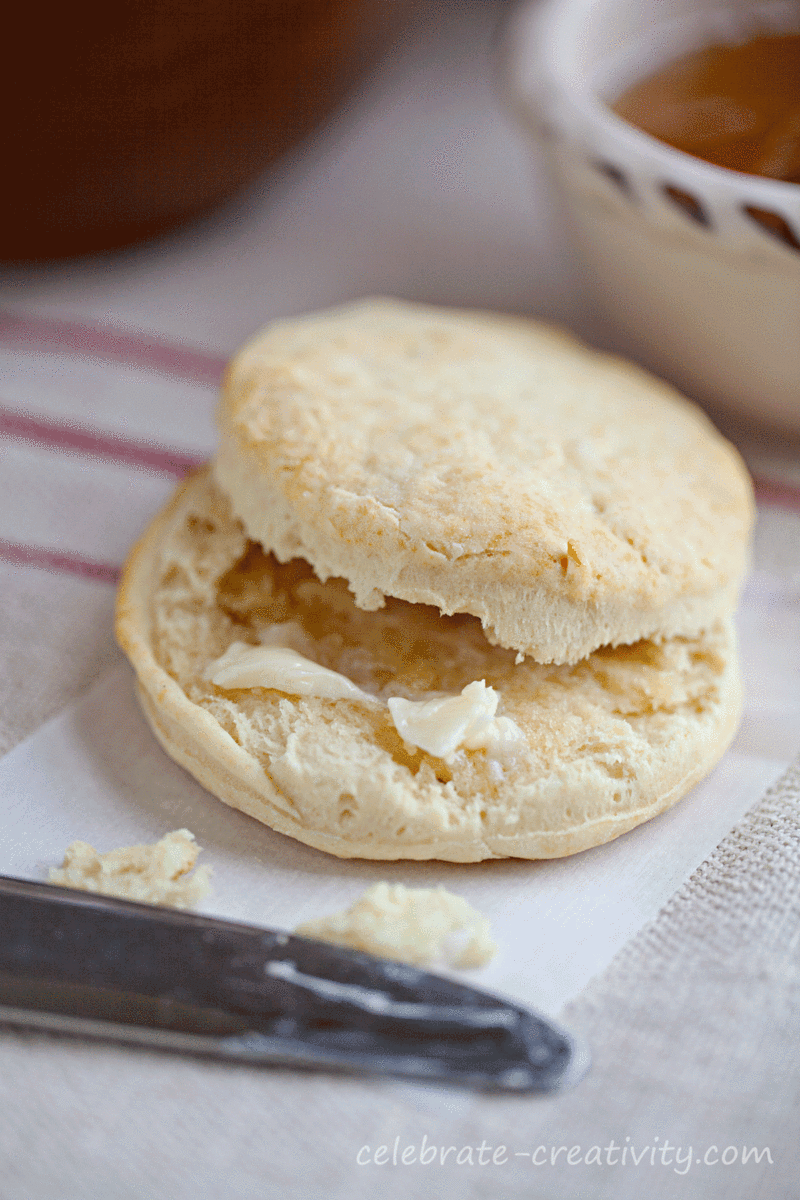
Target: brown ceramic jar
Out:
[123,119]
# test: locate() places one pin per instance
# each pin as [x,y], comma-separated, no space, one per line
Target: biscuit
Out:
[489,465]
[156,874]
[606,744]
[420,926]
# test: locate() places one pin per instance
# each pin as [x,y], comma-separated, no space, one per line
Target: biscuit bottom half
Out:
[606,743]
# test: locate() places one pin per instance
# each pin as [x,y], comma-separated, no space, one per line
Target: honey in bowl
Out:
[737,106]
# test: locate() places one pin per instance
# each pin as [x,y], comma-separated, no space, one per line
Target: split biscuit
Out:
[606,743]
[485,464]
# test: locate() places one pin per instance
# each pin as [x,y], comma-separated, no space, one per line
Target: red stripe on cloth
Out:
[58,561]
[147,456]
[782,495]
[94,339]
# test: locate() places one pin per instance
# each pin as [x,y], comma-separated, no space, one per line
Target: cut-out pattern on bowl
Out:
[696,265]
[687,203]
[617,176]
[775,225]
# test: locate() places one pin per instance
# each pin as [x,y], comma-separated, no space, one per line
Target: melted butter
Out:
[737,106]
[444,725]
[440,726]
[282,670]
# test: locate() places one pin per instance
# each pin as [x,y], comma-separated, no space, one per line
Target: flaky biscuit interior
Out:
[608,742]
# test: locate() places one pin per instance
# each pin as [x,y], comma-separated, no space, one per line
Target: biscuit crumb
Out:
[149,874]
[419,926]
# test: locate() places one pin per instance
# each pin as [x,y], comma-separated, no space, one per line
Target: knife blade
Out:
[78,963]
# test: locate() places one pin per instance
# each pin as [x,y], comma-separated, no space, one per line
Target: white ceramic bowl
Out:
[680,254]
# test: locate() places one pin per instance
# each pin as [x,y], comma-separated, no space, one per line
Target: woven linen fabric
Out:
[693,1028]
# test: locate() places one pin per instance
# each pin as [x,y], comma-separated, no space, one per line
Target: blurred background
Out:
[195,168]
[417,182]
[132,117]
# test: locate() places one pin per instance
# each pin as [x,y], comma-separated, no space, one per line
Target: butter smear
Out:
[440,726]
[444,725]
[284,670]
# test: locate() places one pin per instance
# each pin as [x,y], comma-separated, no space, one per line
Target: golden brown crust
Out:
[488,465]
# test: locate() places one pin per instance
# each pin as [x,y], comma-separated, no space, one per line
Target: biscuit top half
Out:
[489,465]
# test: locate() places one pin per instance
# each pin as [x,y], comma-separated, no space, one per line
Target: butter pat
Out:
[442,726]
[419,926]
[283,670]
[155,874]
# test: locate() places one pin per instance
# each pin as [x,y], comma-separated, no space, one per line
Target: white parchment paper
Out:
[96,773]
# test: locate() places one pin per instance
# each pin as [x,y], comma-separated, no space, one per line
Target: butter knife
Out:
[87,965]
